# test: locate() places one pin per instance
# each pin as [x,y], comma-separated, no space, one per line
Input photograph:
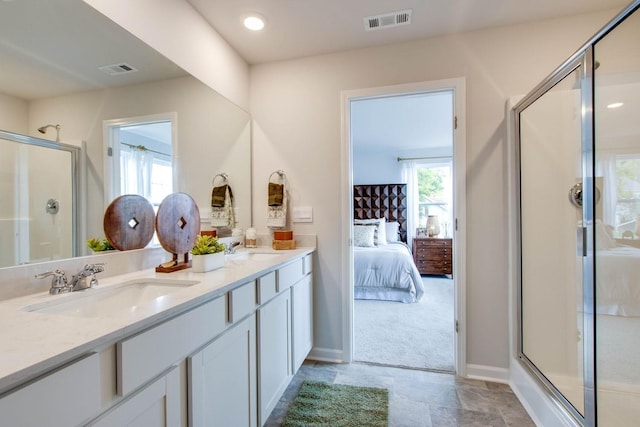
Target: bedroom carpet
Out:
[416,335]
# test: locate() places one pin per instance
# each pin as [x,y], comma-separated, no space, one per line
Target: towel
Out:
[275,194]
[277,215]
[218,195]
[222,216]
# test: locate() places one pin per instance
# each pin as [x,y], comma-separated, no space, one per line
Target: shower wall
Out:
[578,142]
[30,176]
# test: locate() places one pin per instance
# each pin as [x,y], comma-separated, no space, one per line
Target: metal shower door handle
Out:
[575,195]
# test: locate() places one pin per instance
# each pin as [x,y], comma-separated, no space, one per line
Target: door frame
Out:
[110,130]
[457,85]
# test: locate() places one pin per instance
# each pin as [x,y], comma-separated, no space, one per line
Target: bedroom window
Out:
[626,178]
[435,194]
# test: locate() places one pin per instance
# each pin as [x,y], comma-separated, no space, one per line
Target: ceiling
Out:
[404,122]
[298,28]
[54,47]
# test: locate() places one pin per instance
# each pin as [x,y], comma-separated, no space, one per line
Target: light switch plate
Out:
[302,214]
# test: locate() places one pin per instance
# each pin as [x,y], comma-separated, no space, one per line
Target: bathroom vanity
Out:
[199,349]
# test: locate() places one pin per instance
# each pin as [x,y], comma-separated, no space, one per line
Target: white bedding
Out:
[618,281]
[386,272]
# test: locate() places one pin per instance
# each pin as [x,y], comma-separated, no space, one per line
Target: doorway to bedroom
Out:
[402,157]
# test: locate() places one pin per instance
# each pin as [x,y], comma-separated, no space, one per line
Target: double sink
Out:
[127,297]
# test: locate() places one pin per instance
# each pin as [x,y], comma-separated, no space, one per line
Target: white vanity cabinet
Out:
[65,397]
[222,380]
[301,321]
[155,405]
[224,362]
[285,330]
[274,352]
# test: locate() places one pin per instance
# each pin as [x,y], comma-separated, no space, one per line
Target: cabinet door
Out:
[48,400]
[158,404]
[274,352]
[222,379]
[302,320]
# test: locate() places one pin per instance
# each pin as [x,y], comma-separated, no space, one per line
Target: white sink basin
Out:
[252,256]
[111,300]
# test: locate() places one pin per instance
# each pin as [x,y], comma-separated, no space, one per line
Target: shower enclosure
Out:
[578,147]
[40,200]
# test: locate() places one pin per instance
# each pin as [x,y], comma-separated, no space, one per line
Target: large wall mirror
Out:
[54,54]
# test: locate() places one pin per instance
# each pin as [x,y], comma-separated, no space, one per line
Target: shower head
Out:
[43,129]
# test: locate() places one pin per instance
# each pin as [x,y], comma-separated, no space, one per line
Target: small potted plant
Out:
[99,245]
[208,254]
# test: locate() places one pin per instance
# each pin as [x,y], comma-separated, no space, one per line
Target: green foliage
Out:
[429,183]
[99,245]
[207,245]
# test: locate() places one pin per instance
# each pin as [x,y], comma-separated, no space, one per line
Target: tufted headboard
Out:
[382,200]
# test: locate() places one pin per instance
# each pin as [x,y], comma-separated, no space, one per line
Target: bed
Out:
[383,264]
[618,281]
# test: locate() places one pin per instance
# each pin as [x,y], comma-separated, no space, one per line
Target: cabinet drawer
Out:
[66,397]
[434,267]
[267,287]
[307,264]
[242,301]
[290,274]
[433,243]
[433,254]
[143,356]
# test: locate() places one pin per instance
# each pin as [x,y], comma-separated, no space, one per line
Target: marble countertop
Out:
[33,342]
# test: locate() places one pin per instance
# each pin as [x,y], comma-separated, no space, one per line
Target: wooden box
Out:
[283,244]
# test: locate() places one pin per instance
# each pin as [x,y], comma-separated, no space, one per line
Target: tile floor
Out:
[418,398]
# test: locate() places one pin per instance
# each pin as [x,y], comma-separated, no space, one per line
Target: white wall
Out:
[13,114]
[212,137]
[376,167]
[176,30]
[297,116]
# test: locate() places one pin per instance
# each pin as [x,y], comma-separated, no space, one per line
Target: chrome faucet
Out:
[58,281]
[231,248]
[79,280]
[60,284]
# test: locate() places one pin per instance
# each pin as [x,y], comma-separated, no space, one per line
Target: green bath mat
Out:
[337,405]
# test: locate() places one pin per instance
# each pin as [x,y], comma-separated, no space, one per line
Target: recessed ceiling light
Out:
[254,22]
[615,105]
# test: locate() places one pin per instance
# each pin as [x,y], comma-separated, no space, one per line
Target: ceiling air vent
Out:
[387,20]
[118,69]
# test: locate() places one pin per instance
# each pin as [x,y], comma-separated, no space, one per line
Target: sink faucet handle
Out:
[94,268]
[58,281]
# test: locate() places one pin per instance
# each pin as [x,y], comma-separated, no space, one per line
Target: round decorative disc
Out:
[178,223]
[129,222]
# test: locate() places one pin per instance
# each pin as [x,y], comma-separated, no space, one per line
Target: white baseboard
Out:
[487,373]
[326,355]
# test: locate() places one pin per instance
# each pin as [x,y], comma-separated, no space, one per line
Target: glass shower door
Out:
[617,239]
[551,291]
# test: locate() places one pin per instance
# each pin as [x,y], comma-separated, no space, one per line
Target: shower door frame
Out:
[76,174]
[582,62]
[583,58]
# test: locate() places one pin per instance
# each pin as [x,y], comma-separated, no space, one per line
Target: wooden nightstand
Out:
[432,255]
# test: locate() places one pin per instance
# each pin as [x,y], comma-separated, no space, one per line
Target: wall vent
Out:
[387,20]
[118,69]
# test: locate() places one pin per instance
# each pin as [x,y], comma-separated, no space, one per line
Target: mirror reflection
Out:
[66,65]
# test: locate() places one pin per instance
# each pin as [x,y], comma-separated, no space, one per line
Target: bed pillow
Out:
[392,230]
[379,222]
[363,235]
